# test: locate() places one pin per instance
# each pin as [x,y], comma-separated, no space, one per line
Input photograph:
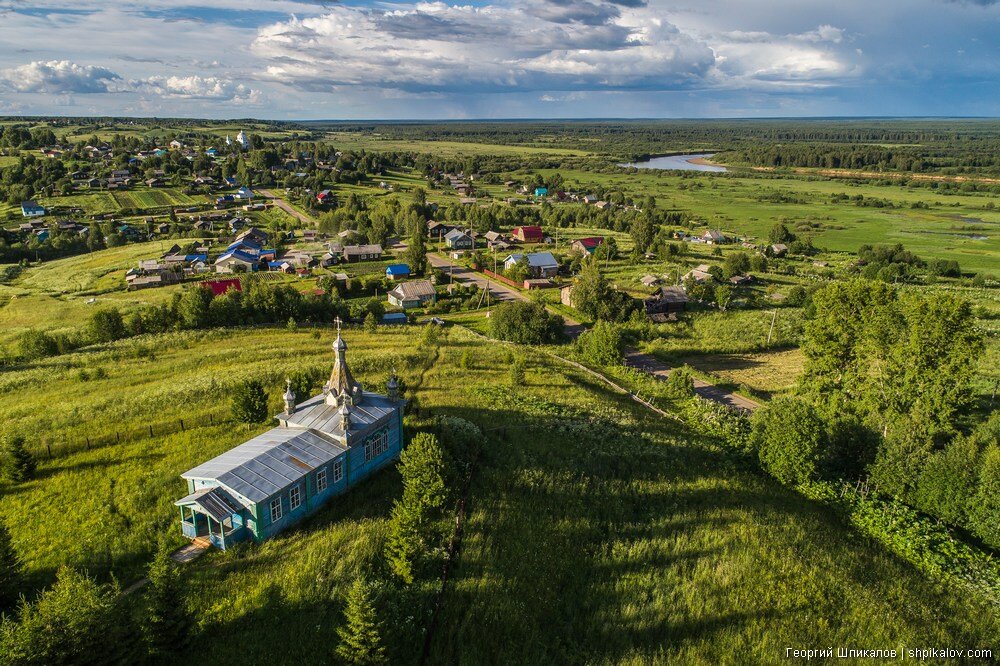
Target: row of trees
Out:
[197,307]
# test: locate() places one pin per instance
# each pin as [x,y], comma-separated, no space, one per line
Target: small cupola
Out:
[393,387]
[289,397]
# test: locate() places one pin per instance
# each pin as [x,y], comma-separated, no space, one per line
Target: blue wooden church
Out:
[321,447]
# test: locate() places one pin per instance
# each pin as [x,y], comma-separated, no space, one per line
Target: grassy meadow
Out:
[596,531]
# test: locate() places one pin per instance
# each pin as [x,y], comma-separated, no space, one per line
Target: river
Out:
[678,162]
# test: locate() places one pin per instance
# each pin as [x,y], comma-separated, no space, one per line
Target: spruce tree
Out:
[168,622]
[416,251]
[10,571]
[425,493]
[17,463]
[360,636]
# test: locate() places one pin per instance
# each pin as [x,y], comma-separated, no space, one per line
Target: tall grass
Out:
[595,532]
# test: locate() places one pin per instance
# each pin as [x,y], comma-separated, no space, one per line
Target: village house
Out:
[779,250]
[587,245]
[459,240]
[699,274]
[714,237]
[666,303]
[397,272]
[540,264]
[414,294]
[32,209]
[356,253]
[239,256]
[320,449]
[529,234]
[438,230]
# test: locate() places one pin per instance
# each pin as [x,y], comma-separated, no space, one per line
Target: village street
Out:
[633,357]
[285,206]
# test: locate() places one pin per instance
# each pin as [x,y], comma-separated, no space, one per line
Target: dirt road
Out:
[660,370]
[284,205]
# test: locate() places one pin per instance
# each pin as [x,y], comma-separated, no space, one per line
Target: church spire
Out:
[342,386]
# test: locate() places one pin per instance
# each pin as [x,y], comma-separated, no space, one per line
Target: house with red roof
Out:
[588,245]
[529,234]
[219,287]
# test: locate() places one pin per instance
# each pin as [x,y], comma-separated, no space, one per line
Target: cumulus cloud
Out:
[810,59]
[197,87]
[570,44]
[59,76]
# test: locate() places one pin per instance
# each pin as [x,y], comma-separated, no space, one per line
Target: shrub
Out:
[789,437]
[525,322]
[947,482]
[106,325]
[601,345]
[249,403]
[516,372]
[70,623]
[985,518]
[32,345]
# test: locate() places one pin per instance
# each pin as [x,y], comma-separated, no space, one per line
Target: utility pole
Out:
[771,330]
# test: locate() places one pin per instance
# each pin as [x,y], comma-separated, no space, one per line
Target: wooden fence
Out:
[500,278]
[51,446]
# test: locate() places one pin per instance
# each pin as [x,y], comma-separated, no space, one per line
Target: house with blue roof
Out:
[540,264]
[211,152]
[244,193]
[541,191]
[32,209]
[322,447]
[232,259]
[397,271]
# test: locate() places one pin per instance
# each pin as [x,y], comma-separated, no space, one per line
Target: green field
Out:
[610,534]
[745,205]
[97,202]
[443,148]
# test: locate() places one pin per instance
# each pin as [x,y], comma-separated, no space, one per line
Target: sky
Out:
[358,59]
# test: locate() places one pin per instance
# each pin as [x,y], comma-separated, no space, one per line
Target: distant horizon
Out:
[407,60]
[391,121]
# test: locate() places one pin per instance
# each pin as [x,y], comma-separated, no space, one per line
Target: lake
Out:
[678,162]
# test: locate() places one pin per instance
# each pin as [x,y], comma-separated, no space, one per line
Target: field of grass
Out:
[750,205]
[595,533]
[98,202]
[448,149]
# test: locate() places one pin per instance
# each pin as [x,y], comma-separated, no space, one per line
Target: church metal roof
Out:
[214,501]
[264,465]
[316,414]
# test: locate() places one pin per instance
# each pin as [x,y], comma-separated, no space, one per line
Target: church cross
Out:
[338,322]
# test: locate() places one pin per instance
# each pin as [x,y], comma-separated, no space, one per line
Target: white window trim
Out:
[321,484]
[294,498]
[338,471]
[274,505]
